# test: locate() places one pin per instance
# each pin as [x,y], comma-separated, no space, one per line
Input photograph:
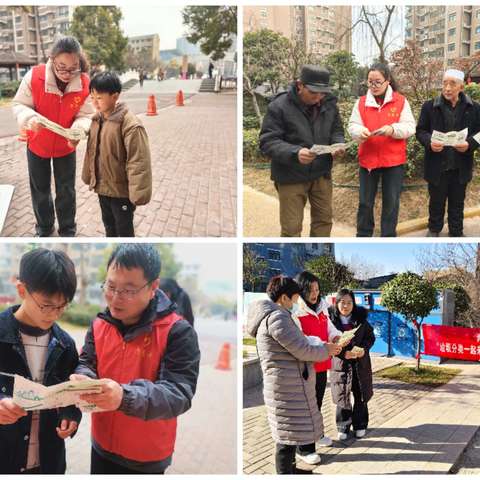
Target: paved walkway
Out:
[207,434]
[412,429]
[194,175]
[261,217]
[471,228]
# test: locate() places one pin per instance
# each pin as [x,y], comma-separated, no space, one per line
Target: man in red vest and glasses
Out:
[149,359]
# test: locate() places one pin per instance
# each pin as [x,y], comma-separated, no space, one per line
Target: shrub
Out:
[80,314]
[9,89]
[251,151]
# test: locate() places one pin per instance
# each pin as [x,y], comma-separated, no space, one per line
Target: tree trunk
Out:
[419,344]
[251,91]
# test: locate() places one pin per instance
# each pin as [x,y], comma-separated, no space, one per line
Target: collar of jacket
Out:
[9,332]
[325,103]
[463,97]
[304,309]
[371,102]
[160,306]
[74,85]
[117,115]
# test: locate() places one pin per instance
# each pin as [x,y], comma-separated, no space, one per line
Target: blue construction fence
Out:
[394,334]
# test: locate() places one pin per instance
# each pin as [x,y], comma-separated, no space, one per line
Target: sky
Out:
[217,263]
[142,19]
[394,257]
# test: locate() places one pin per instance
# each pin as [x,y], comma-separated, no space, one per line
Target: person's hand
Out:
[109,398]
[461,147]
[333,349]
[336,339]
[350,355]
[34,126]
[73,143]
[305,156]
[67,427]
[10,412]
[436,147]
[360,352]
[386,131]
[77,377]
[365,134]
[340,152]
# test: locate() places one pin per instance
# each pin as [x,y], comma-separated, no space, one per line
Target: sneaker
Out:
[325,442]
[342,436]
[310,458]
[360,433]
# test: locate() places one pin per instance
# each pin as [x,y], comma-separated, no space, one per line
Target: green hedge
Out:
[9,89]
[80,314]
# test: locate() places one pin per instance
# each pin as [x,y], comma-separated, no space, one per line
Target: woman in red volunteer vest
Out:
[381,121]
[58,91]
[312,314]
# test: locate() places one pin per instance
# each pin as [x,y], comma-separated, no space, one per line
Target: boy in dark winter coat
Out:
[352,370]
[32,345]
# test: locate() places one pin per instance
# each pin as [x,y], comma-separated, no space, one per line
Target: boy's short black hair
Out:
[106,82]
[137,255]
[279,285]
[48,272]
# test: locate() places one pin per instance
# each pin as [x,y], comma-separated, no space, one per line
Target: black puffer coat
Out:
[342,369]
[287,128]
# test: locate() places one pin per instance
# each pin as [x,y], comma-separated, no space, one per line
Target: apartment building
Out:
[146,42]
[321,29]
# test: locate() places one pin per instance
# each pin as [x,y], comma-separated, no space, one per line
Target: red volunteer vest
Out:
[127,436]
[59,109]
[380,151]
[318,327]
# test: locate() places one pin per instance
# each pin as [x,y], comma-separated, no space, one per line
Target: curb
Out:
[421,223]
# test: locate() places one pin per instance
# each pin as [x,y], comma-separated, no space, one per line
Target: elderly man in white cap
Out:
[448,169]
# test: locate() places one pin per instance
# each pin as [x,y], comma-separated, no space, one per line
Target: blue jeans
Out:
[392,181]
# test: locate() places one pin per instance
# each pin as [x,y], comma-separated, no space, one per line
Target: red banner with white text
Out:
[451,342]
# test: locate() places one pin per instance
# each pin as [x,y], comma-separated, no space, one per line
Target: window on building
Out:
[274,254]
[452,17]
[477,45]
[19,33]
[274,272]
[477,30]
[451,47]
[451,32]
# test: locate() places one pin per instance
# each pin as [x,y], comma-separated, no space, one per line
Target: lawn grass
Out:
[427,375]
[249,341]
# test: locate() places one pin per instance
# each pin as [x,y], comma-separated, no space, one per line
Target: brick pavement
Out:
[389,398]
[207,434]
[194,175]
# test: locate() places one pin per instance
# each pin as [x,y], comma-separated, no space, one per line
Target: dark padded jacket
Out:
[287,128]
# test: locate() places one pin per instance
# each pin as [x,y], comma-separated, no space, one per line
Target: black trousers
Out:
[285,459]
[392,181]
[452,190]
[117,216]
[100,465]
[40,172]
[320,386]
[356,417]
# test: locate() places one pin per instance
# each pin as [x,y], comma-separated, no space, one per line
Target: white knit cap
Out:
[452,73]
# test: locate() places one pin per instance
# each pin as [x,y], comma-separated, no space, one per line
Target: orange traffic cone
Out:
[179,99]
[223,362]
[152,106]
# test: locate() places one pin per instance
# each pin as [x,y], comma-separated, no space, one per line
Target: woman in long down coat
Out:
[351,371]
[286,358]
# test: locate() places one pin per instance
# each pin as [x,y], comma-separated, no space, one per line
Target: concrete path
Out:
[261,217]
[412,429]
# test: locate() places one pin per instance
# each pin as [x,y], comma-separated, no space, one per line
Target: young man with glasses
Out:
[34,346]
[148,357]
[304,115]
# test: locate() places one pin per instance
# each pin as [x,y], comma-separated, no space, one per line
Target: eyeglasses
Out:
[376,83]
[49,308]
[128,293]
[66,71]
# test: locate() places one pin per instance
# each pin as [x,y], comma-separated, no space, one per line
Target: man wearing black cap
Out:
[304,115]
